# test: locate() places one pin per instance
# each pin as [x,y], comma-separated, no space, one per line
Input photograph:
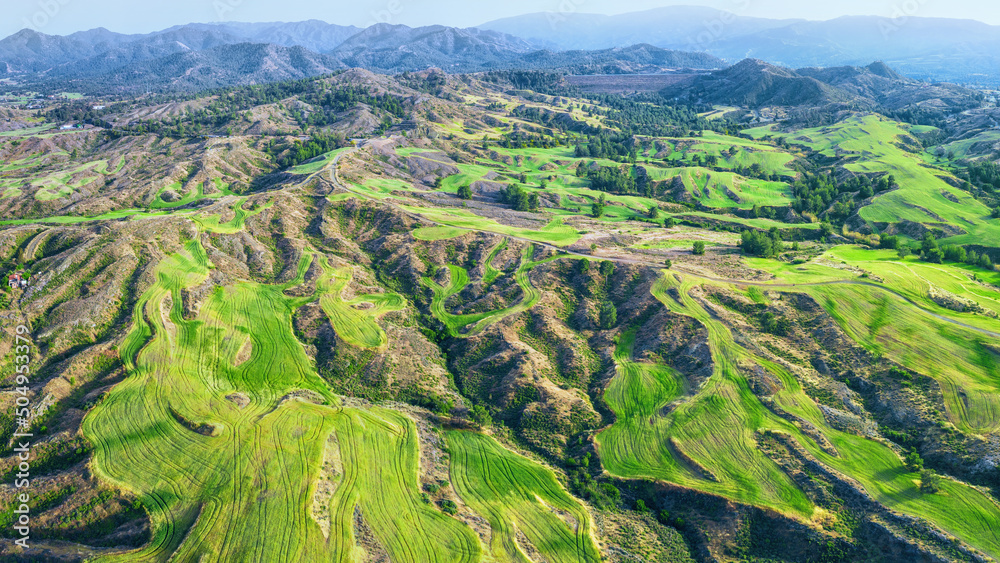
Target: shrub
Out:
[609,315]
[764,245]
[597,209]
[481,416]
[465,192]
[890,242]
[699,248]
[930,482]
[913,461]
[518,198]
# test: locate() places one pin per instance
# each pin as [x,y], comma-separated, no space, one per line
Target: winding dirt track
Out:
[659,264]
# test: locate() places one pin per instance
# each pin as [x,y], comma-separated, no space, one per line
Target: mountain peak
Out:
[885,71]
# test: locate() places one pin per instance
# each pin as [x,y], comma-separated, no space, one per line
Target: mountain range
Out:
[924,48]
[197,56]
[755,83]
[204,55]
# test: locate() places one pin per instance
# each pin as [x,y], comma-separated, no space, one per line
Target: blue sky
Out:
[61,17]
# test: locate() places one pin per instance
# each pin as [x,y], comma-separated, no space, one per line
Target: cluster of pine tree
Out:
[815,193]
[519,198]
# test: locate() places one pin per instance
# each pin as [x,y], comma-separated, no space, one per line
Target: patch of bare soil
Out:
[331,472]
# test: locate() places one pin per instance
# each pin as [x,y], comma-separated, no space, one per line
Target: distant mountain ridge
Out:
[926,48]
[653,41]
[102,59]
[755,83]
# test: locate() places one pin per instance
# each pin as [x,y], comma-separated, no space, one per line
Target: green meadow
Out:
[872,145]
[707,440]
[228,437]
[473,323]
[518,495]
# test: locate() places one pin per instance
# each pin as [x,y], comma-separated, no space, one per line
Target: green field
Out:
[707,440]
[474,323]
[356,320]
[213,222]
[516,494]
[870,142]
[73,219]
[914,332]
[437,233]
[317,164]
[982,142]
[726,189]
[227,436]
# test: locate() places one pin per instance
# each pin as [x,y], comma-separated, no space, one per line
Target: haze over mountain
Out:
[755,83]
[191,57]
[653,41]
[926,48]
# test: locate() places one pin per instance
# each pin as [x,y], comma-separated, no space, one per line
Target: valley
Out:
[500,317]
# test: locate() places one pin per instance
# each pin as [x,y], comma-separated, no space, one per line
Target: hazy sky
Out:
[61,17]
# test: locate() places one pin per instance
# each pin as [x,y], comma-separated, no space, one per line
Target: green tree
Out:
[669,223]
[930,482]
[890,242]
[654,212]
[481,415]
[764,245]
[930,251]
[699,248]
[597,209]
[465,192]
[608,315]
[913,461]
[996,212]
[607,268]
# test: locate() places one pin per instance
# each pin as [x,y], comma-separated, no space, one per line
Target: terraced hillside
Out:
[445,318]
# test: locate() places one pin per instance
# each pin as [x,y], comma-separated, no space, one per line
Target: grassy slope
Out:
[872,142]
[516,494]
[355,321]
[243,491]
[715,431]
[474,323]
[914,338]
